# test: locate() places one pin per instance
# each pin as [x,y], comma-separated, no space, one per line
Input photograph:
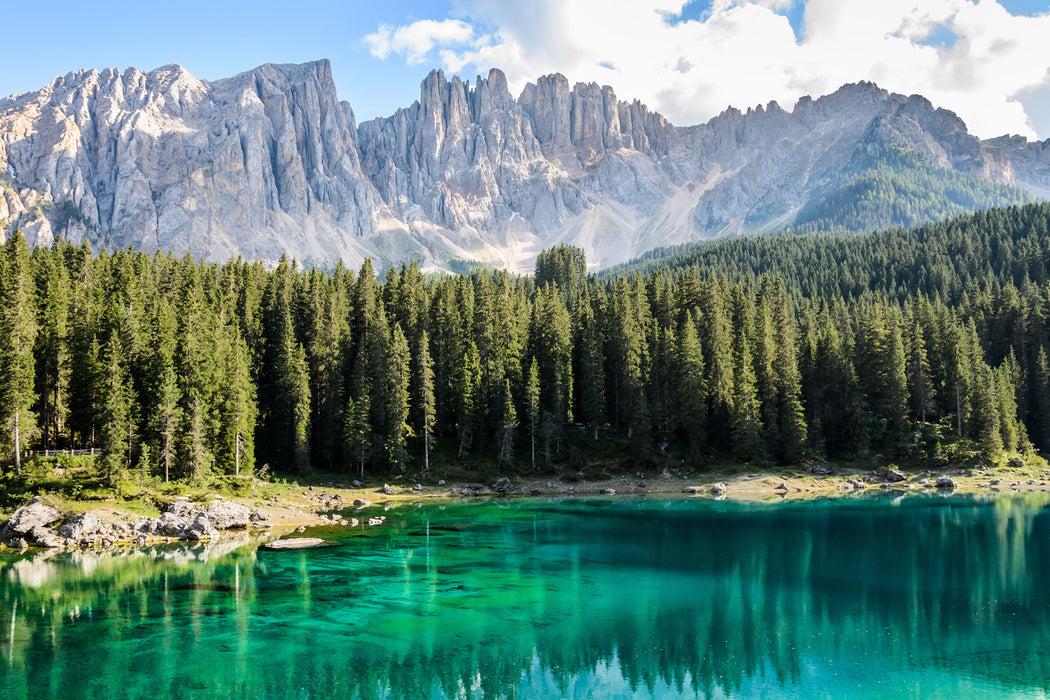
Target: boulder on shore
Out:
[945,482]
[32,515]
[81,527]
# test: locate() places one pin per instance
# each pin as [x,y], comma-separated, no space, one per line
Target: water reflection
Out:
[923,597]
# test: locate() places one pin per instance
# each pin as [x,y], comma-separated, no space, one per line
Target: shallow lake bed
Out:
[887,594]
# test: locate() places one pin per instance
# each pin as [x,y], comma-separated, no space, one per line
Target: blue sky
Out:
[987,60]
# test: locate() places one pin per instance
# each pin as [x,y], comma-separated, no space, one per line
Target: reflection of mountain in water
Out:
[571,599]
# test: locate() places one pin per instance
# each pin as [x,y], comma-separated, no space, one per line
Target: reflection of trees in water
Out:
[698,599]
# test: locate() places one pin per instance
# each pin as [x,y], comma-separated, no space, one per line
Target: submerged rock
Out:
[295,543]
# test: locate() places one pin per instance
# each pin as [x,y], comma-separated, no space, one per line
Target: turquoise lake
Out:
[917,596]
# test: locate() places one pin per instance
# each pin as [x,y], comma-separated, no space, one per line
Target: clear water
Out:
[917,597]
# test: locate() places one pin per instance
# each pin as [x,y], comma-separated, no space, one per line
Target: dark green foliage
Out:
[762,349]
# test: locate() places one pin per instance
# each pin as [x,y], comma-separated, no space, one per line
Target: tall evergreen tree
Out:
[18,330]
[398,373]
[426,398]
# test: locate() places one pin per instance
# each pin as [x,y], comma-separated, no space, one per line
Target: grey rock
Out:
[389,490]
[995,482]
[895,475]
[43,537]
[80,526]
[169,525]
[362,502]
[376,521]
[502,485]
[782,486]
[692,489]
[200,528]
[608,491]
[945,482]
[221,515]
[719,489]
[34,514]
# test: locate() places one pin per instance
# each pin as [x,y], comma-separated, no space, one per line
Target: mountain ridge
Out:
[271,162]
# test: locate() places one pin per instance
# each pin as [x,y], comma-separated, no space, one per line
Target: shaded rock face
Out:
[270,162]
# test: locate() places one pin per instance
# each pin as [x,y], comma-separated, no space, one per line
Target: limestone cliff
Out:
[270,162]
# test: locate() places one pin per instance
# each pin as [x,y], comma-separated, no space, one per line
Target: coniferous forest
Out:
[766,349]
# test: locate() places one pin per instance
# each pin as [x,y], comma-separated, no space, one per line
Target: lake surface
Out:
[869,597]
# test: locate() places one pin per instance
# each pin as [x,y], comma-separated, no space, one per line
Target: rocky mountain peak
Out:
[270,161]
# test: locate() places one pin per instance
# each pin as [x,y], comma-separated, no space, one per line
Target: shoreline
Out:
[279,509]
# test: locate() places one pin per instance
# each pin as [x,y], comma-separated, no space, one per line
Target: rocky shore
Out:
[40,524]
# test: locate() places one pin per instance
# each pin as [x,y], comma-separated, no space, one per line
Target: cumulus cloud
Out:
[415,41]
[974,58]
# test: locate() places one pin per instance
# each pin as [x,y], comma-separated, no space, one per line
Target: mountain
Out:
[270,162]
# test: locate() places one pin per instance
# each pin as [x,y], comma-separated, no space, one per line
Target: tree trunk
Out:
[18,449]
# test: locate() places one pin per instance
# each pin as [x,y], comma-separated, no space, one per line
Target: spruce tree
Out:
[18,330]
[426,398]
[398,373]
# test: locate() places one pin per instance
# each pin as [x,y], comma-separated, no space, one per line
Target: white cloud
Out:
[415,41]
[744,52]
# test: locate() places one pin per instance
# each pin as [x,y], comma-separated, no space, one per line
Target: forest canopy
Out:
[756,349]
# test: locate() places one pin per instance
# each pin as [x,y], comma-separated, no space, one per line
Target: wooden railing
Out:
[62,453]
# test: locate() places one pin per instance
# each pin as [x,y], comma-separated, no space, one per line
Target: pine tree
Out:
[358,412]
[467,388]
[18,330]
[52,347]
[792,430]
[532,405]
[591,367]
[398,373]
[746,413]
[426,398]
[508,425]
[920,380]
[239,411]
[690,388]
[167,419]
[117,430]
